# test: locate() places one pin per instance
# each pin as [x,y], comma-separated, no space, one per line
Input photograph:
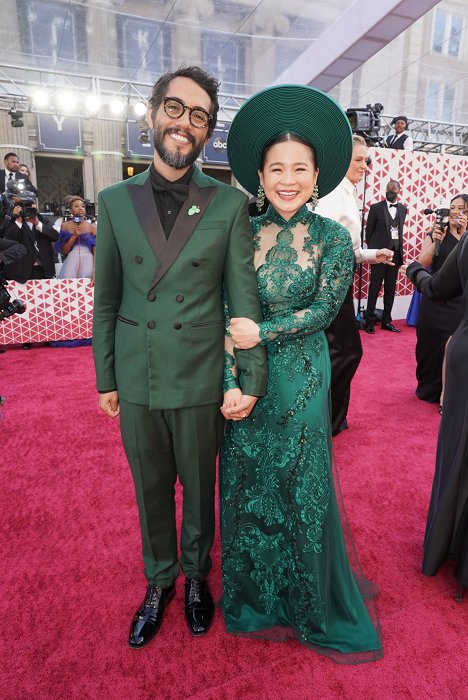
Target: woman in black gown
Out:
[447,521]
[437,321]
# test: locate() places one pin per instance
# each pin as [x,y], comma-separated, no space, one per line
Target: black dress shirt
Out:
[168,202]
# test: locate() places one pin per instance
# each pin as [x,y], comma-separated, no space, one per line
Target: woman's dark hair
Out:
[203,79]
[461,196]
[281,138]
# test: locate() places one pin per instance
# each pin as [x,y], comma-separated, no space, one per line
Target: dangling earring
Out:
[260,198]
[314,200]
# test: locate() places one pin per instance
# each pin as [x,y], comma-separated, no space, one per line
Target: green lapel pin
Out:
[193,210]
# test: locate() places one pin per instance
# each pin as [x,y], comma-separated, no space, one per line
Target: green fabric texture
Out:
[284,557]
[158,326]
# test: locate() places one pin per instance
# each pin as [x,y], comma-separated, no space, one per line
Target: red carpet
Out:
[71,569]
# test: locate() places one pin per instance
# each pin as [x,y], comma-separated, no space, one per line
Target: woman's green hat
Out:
[299,109]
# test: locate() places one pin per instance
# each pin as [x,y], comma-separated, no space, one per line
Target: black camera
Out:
[7,306]
[366,121]
[442,216]
[16,194]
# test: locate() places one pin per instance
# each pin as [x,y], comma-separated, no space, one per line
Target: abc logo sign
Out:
[218,144]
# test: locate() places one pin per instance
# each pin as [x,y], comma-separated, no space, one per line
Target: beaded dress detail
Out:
[285,566]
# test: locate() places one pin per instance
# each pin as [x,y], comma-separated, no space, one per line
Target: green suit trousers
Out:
[161,446]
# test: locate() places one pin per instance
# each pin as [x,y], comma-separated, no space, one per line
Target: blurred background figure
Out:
[384,227]
[343,338]
[437,321]
[447,520]
[400,140]
[77,242]
[24,170]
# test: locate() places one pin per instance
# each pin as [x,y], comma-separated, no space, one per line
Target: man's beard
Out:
[175,159]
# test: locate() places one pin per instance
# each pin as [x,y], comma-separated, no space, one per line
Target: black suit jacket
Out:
[20,270]
[378,228]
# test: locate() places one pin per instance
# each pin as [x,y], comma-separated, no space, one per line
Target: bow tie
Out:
[392,205]
[179,193]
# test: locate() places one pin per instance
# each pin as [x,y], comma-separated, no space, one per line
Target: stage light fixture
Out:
[66,100]
[117,106]
[92,103]
[41,98]
[16,118]
[139,109]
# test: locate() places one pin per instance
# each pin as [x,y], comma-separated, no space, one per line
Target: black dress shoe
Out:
[369,327]
[148,618]
[390,327]
[199,606]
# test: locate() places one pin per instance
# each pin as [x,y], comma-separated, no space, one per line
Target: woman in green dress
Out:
[286,571]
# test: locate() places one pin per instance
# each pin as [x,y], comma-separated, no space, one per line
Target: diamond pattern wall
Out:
[428,180]
[55,310]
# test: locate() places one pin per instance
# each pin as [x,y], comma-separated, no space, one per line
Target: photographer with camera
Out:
[9,252]
[77,241]
[436,321]
[23,224]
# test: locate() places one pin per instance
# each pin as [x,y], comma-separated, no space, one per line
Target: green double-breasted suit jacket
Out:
[158,331]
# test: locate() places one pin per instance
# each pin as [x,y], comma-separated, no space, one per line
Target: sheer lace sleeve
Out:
[335,258]
[230,380]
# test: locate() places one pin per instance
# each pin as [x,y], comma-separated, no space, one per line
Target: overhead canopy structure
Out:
[119,47]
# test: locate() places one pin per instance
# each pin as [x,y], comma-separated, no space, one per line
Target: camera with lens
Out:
[7,306]
[442,216]
[366,121]
[16,194]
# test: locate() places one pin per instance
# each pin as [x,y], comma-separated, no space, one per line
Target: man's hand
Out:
[385,255]
[245,333]
[109,403]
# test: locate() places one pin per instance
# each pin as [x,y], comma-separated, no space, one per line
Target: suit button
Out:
[151,297]
[151,324]
[138,259]
[179,298]
[177,326]
[196,263]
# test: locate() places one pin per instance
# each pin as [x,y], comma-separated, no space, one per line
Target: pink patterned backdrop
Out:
[62,309]
[428,180]
[55,310]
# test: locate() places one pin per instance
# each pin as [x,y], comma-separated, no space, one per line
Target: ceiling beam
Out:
[361,31]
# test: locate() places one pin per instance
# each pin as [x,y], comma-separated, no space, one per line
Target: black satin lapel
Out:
[184,226]
[387,216]
[147,213]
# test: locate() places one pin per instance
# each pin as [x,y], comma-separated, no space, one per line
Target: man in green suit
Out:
[169,242]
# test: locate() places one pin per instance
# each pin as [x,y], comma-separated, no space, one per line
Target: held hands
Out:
[109,403]
[236,405]
[385,256]
[245,333]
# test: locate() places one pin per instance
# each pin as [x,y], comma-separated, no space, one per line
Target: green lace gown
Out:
[285,566]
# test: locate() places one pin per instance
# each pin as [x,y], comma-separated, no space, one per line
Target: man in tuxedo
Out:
[37,237]
[10,172]
[169,241]
[385,229]
[400,140]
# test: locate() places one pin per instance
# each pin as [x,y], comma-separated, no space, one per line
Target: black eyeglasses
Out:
[175,108]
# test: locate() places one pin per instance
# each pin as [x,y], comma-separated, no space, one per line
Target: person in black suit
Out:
[10,172]
[37,237]
[385,230]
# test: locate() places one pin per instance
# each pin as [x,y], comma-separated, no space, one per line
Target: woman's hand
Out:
[245,333]
[438,234]
[236,405]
